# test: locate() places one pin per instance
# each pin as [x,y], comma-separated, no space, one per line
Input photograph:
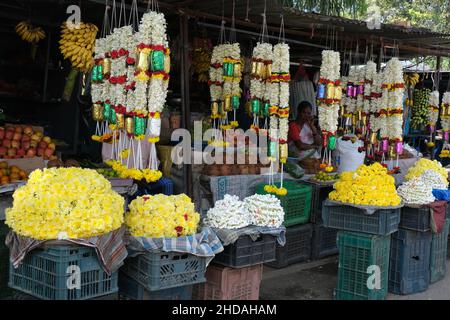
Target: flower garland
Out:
[149,175]
[445,115]
[415,191]
[232,75]
[61,203]
[261,72]
[433,110]
[97,85]
[329,94]
[161,216]
[396,86]
[265,210]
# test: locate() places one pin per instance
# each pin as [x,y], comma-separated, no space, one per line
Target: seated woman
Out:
[304,138]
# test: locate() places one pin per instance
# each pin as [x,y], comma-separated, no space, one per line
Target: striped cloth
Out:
[110,248]
[203,244]
[229,236]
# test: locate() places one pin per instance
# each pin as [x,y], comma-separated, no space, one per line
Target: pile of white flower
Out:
[259,210]
[416,191]
[229,213]
[434,180]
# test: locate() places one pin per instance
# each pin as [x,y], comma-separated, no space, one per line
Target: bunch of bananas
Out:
[420,108]
[77,45]
[200,62]
[28,33]
[411,79]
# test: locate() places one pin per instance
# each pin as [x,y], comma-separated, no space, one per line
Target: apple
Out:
[42,144]
[26,145]
[15,144]
[9,134]
[40,152]
[31,152]
[17,136]
[51,146]
[21,152]
[47,139]
[2,133]
[18,129]
[26,138]
[6,143]
[39,134]
[49,152]
[35,137]
[28,130]
[12,152]
[3,151]
[6,157]
[33,144]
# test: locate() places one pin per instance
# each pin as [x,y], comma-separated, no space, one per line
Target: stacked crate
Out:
[323,243]
[299,232]
[418,256]
[364,244]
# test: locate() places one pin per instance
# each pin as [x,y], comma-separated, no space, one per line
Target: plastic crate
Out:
[44,274]
[165,270]
[320,193]
[130,289]
[296,204]
[438,254]
[223,283]
[5,291]
[245,252]
[409,263]
[323,242]
[381,222]
[18,295]
[417,219]
[357,252]
[297,247]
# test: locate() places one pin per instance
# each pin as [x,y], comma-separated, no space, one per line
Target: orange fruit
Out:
[4,180]
[14,177]
[3,164]
[14,169]
[23,174]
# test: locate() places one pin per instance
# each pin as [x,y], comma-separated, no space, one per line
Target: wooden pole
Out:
[185,96]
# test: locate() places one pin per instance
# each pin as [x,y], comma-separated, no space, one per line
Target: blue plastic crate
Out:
[381,222]
[409,267]
[438,254]
[417,219]
[358,252]
[165,270]
[130,289]
[44,274]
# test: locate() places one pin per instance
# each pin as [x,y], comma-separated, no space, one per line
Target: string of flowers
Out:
[329,95]
[396,87]
[433,112]
[260,73]
[232,75]
[445,116]
[97,87]
[215,87]
[370,74]
[375,109]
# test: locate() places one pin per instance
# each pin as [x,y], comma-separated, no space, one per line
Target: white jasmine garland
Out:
[329,71]
[394,77]
[216,74]
[415,191]
[273,127]
[328,117]
[434,180]
[229,213]
[433,108]
[140,96]
[445,121]
[156,95]
[265,210]
[284,128]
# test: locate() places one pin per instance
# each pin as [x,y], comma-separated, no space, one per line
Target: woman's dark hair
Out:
[302,106]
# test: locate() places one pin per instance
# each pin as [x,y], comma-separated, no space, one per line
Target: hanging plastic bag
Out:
[349,156]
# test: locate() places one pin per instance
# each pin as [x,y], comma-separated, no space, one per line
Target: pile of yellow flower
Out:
[423,165]
[161,216]
[368,185]
[65,203]
[130,173]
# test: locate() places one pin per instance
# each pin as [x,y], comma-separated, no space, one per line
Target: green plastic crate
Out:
[358,251]
[438,254]
[296,204]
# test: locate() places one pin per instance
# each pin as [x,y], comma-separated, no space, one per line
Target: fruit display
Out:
[10,174]
[411,79]
[28,33]
[420,108]
[77,45]
[368,185]
[201,58]
[325,177]
[22,141]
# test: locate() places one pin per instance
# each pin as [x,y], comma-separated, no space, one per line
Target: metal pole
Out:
[436,81]
[185,96]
